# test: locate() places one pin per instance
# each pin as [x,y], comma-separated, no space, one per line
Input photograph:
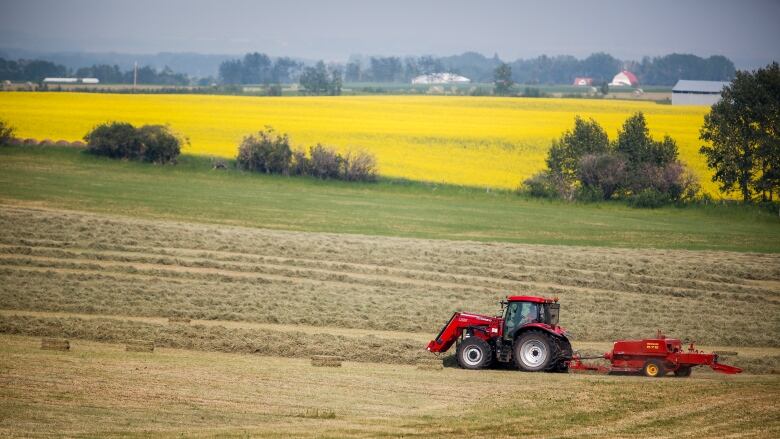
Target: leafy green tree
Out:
[6,133]
[502,79]
[743,131]
[314,80]
[640,149]
[318,80]
[587,138]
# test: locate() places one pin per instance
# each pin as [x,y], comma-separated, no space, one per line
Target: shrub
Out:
[590,194]
[121,140]
[267,152]
[159,144]
[541,185]
[6,133]
[117,140]
[359,166]
[299,163]
[274,90]
[604,173]
[649,198]
[324,162]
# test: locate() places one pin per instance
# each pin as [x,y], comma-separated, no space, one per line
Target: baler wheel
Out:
[474,353]
[683,372]
[654,369]
[534,352]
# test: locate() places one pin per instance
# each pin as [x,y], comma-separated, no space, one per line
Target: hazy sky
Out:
[746,31]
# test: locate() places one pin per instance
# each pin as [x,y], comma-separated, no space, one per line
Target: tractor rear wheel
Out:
[474,353]
[534,351]
[654,369]
[683,372]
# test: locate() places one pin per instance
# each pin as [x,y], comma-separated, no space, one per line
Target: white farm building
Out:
[440,78]
[697,92]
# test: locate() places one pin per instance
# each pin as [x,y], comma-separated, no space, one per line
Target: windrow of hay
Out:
[98,264]
[179,320]
[218,338]
[326,361]
[55,344]
[139,345]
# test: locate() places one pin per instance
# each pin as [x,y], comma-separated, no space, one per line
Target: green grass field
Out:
[192,191]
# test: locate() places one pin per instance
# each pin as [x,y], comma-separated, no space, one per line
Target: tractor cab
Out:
[524,310]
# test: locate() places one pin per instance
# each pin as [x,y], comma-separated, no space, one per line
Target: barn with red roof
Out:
[625,79]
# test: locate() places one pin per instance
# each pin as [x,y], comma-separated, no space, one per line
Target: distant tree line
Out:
[30,70]
[37,70]
[109,74]
[259,68]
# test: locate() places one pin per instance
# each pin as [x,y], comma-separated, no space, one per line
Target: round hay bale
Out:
[139,346]
[326,361]
[78,144]
[46,142]
[29,142]
[62,143]
[55,344]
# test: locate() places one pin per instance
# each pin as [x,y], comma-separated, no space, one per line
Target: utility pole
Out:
[135,75]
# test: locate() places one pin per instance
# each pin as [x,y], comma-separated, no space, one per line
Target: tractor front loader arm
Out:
[450,333]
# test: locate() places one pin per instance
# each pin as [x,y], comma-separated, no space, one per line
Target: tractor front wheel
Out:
[654,369]
[474,353]
[534,351]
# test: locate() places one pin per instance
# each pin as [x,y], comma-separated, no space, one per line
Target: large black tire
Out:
[474,353]
[683,372]
[654,369]
[563,353]
[534,351]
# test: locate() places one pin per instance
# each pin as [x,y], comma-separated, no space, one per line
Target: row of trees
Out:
[266,151]
[30,70]
[111,74]
[37,70]
[258,68]
[585,165]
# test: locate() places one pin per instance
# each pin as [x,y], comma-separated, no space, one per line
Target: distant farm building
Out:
[583,82]
[697,92]
[624,79]
[440,78]
[71,81]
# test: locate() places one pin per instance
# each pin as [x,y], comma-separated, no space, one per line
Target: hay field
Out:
[475,141]
[364,298]
[99,390]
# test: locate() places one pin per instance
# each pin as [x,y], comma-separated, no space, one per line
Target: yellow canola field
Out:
[477,141]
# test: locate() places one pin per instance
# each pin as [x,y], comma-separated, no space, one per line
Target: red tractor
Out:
[527,333]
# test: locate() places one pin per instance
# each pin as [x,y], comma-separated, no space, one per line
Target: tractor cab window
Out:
[521,313]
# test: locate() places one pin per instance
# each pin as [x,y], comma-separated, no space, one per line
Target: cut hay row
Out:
[139,346]
[55,344]
[115,266]
[326,361]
